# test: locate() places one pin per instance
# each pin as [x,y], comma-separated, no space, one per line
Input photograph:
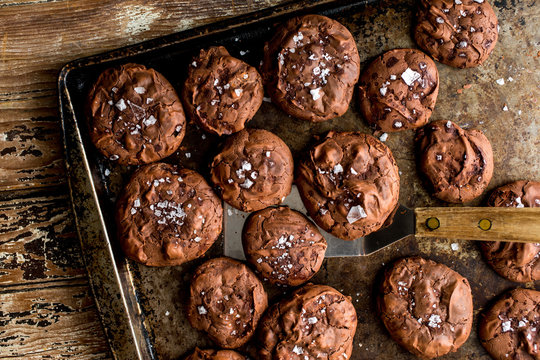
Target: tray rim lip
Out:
[67,113]
[63,92]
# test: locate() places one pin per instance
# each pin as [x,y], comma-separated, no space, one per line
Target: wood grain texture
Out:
[46,307]
[38,241]
[31,153]
[59,321]
[508,224]
[37,37]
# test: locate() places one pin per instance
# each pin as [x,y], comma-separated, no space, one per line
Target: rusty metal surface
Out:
[152,315]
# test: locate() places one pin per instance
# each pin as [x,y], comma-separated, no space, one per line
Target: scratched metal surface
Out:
[156,297]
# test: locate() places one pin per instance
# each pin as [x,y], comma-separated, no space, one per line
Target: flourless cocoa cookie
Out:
[459,33]
[221,93]
[509,329]
[254,170]
[167,216]
[227,301]
[349,184]
[512,260]
[134,115]
[283,245]
[398,90]
[199,354]
[316,321]
[457,163]
[426,307]
[310,67]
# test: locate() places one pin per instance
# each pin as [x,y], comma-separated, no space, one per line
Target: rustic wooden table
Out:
[46,305]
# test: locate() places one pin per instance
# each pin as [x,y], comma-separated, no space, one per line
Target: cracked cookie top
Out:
[457,163]
[515,261]
[134,115]
[211,354]
[283,245]
[349,184]
[398,90]
[510,328]
[459,33]
[316,321]
[254,170]
[221,93]
[426,307]
[226,301]
[167,216]
[310,68]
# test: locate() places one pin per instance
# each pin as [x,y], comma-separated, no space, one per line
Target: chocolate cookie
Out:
[283,245]
[134,115]
[315,321]
[426,307]
[457,163]
[459,33]
[514,261]
[254,170]
[227,301]
[398,90]
[221,93]
[167,216]
[349,184]
[509,329]
[310,67]
[199,354]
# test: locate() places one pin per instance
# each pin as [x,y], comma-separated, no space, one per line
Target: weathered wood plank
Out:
[37,37]
[38,241]
[74,29]
[53,322]
[46,308]
[31,154]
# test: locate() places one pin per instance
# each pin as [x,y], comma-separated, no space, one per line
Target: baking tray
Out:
[143,308]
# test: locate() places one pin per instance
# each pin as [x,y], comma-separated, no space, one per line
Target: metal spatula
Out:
[467,223]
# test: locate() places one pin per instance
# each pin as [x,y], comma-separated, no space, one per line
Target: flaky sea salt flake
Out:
[121,105]
[315,93]
[506,326]
[297,350]
[202,310]
[410,76]
[356,213]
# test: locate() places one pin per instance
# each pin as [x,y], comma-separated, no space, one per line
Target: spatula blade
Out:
[401,227]
[234,222]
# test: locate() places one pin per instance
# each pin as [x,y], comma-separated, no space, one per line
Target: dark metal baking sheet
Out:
[142,308]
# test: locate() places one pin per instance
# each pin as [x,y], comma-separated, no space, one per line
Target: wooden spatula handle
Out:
[479,223]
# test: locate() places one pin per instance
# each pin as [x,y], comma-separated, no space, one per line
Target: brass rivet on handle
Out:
[433,223]
[484,224]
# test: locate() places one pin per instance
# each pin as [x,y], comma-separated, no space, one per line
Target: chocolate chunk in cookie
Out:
[199,354]
[514,261]
[221,93]
[227,301]
[398,90]
[134,115]
[167,216]
[426,307]
[459,33]
[283,245]
[349,184]
[457,163]
[510,328]
[254,170]
[315,321]
[310,68]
